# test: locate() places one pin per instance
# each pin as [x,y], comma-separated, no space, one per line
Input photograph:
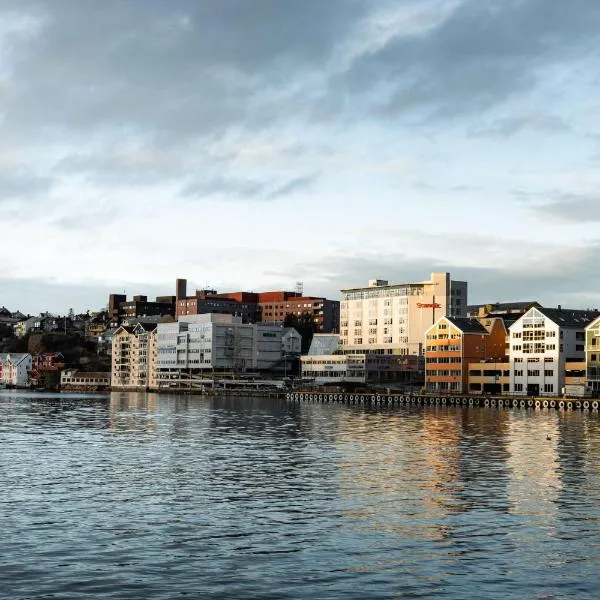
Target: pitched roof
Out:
[565,317]
[467,325]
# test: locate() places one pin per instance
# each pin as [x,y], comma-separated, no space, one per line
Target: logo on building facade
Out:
[430,305]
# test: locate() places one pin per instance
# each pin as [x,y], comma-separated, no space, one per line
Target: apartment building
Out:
[547,351]
[385,318]
[132,352]
[198,344]
[15,369]
[592,356]
[454,344]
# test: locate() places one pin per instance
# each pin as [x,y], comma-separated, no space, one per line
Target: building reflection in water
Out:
[428,466]
[133,411]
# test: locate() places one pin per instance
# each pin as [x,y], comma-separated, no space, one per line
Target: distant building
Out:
[259,307]
[592,356]
[242,304]
[392,319]
[15,369]
[276,306]
[454,344]
[547,351]
[119,308]
[509,311]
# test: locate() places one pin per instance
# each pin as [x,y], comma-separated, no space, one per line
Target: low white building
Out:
[325,365]
[74,379]
[15,369]
[211,342]
[547,350]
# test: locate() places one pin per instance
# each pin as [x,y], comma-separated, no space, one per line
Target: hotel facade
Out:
[392,319]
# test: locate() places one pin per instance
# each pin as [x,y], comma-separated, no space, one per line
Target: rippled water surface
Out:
[145,496]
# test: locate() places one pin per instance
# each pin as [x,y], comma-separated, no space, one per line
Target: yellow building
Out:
[134,357]
[592,356]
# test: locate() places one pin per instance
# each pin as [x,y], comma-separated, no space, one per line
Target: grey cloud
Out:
[22,185]
[568,208]
[506,127]
[483,53]
[181,67]
[249,189]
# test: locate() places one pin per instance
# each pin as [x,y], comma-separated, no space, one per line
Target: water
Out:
[135,496]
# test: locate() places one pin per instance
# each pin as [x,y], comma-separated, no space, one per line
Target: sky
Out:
[249,145]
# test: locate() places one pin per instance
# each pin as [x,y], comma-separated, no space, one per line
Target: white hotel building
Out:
[547,346]
[392,319]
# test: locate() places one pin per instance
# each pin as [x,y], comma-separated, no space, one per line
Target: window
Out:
[519,373]
[533,373]
[548,373]
[548,387]
[579,348]
[518,387]
[516,347]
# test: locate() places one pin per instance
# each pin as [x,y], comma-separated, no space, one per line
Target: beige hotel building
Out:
[392,319]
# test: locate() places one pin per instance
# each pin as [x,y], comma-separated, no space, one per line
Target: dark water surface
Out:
[137,496]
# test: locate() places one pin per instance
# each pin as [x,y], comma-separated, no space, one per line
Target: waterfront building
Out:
[385,318]
[592,356]
[325,364]
[491,376]
[197,345]
[547,351]
[131,356]
[335,369]
[15,369]
[44,363]
[74,379]
[453,344]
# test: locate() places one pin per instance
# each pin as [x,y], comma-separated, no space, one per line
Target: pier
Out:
[429,400]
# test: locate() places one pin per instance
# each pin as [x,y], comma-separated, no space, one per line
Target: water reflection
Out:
[151,496]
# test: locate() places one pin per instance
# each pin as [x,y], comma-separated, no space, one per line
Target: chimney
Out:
[180,288]
[559,307]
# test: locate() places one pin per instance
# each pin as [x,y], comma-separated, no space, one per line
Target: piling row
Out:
[466,401]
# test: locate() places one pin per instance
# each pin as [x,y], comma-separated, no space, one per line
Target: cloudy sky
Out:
[250,144]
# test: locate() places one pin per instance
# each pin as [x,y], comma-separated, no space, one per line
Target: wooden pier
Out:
[428,400]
